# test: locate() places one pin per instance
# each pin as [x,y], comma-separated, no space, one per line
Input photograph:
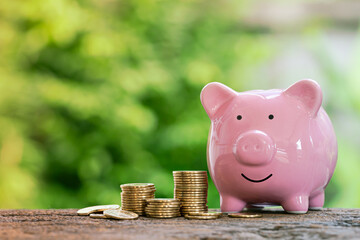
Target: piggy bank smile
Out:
[256,181]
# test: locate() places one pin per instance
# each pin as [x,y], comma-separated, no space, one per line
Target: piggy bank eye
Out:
[271,116]
[239,117]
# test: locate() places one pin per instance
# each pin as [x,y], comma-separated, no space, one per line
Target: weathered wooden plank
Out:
[65,224]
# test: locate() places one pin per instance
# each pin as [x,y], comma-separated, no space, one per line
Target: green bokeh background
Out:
[102,92]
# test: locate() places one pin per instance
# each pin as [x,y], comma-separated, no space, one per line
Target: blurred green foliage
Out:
[98,93]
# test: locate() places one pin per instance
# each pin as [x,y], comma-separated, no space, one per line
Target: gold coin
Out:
[137,185]
[188,216]
[170,208]
[187,177]
[197,207]
[140,200]
[179,180]
[191,183]
[139,191]
[152,192]
[191,195]
[190,172]
[164,203]
[135,199]
[194,209]
[133,202]
[192,188]
[244,215]
[193,205]
[191,191]
[162,200]
[205,214]
[193,199]
[189,205]
[150,195]
[97,215]
[191,177]
[98,208]
[163,216]
[120,214]
[148,192]
[129,188]
[162,212]
[164,206]
[162,209]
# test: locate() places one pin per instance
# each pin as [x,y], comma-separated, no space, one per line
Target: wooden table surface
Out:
[275,224]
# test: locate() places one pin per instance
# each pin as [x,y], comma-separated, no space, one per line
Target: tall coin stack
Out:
[163,207]
[134,195]
[191,188]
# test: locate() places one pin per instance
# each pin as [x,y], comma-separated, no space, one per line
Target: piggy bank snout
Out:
[254,148]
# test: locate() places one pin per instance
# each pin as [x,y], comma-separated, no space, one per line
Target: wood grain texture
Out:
[65,224]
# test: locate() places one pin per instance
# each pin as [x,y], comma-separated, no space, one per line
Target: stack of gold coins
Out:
[134,195]
[163,207]
[191,188]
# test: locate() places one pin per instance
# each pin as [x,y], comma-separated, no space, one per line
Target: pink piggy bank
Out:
[274,147]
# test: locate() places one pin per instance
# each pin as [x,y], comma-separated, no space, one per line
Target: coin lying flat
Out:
[97,215]
[98,208]
[187,216]
[120,214]
[205,214]
[244,215]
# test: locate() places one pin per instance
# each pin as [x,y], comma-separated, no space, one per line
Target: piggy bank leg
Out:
[317,202]
[298,204]
[231,204]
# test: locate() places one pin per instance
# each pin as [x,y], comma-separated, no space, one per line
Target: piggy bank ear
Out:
[214,95]
[309,93]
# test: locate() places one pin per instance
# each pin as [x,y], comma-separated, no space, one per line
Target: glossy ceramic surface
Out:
[269,147]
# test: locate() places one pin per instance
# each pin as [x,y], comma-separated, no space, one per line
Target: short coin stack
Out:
[134,195]
[191,188]
[163,207]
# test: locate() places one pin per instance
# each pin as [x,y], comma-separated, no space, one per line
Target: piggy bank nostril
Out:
[245,147]
[256,147]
